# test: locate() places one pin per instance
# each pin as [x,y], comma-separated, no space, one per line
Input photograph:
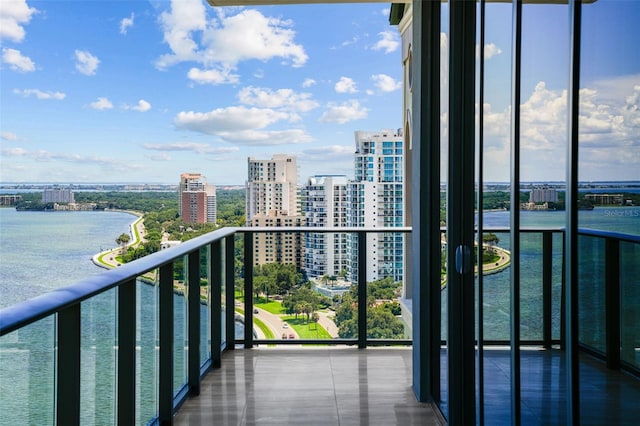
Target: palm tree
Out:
[122,241]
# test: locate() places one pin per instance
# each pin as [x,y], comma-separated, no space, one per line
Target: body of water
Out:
[33,244]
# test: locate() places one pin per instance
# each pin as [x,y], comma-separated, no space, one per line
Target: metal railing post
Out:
[612,302]
[248,290]
[216,278]
[547,269]
[229,282]
[193,323]
[165,355]
[68,381]
[362,289]
[127,353]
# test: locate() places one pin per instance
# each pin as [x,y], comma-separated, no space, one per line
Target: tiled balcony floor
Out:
[309,386]
[347,386]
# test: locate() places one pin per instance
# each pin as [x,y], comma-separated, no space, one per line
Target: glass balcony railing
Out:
[128,346]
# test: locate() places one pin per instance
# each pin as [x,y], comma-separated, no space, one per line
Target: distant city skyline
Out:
[141,91]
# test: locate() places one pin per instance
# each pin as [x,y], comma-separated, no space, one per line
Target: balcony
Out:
[173,354]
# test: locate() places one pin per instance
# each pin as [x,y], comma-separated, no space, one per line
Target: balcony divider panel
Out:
[166,320]
[460,213]
[571,234]
[68,363]
[216,278]
[126,400]
[425,136]
[229,282]
[248,290]
[193,323]
[514,212]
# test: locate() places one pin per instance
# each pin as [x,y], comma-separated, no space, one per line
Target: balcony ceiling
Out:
[273,2]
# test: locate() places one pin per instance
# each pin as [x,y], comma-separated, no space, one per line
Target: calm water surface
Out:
[34,244]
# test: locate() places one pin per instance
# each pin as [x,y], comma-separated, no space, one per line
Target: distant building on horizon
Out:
[605,199]
[543,195]
[197,199]
[57,194]
[272,201]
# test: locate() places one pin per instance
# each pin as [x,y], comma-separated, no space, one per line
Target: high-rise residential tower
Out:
[197,199]
[324,204]
[375,198]
[272,200]
[57,194]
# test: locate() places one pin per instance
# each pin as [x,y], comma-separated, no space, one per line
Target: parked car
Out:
[285,325]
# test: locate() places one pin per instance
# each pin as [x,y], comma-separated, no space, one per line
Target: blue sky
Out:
[141,91]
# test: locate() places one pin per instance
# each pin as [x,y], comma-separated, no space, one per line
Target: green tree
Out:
[122,241]
[490,238]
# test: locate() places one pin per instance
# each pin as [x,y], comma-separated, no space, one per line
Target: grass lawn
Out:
[272,306]
[261,325]
[307,331]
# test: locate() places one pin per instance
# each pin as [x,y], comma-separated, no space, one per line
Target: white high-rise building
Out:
[272,186]
[375,198]
[543,195]
[324,204]
[272,200]
[58,194]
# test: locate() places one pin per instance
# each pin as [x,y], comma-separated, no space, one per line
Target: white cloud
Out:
[251,35]
[126,23]
[266,137]
[385,83]
[490,50]
[389,42]
[213,76]
[329,152]
[286,99]
[159,157]
[86,63]
[101,104]
[228,119]
[308,82]
[228,40]
[13,15]
[8,136]
[353,40]
[39,94]
[609,124]
[242,125]
[48,156]
[343,113]
[17,61]
[178,25]
[142,106]
[346,85]
[198,148]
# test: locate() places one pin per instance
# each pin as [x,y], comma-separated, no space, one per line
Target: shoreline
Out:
[107,259]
